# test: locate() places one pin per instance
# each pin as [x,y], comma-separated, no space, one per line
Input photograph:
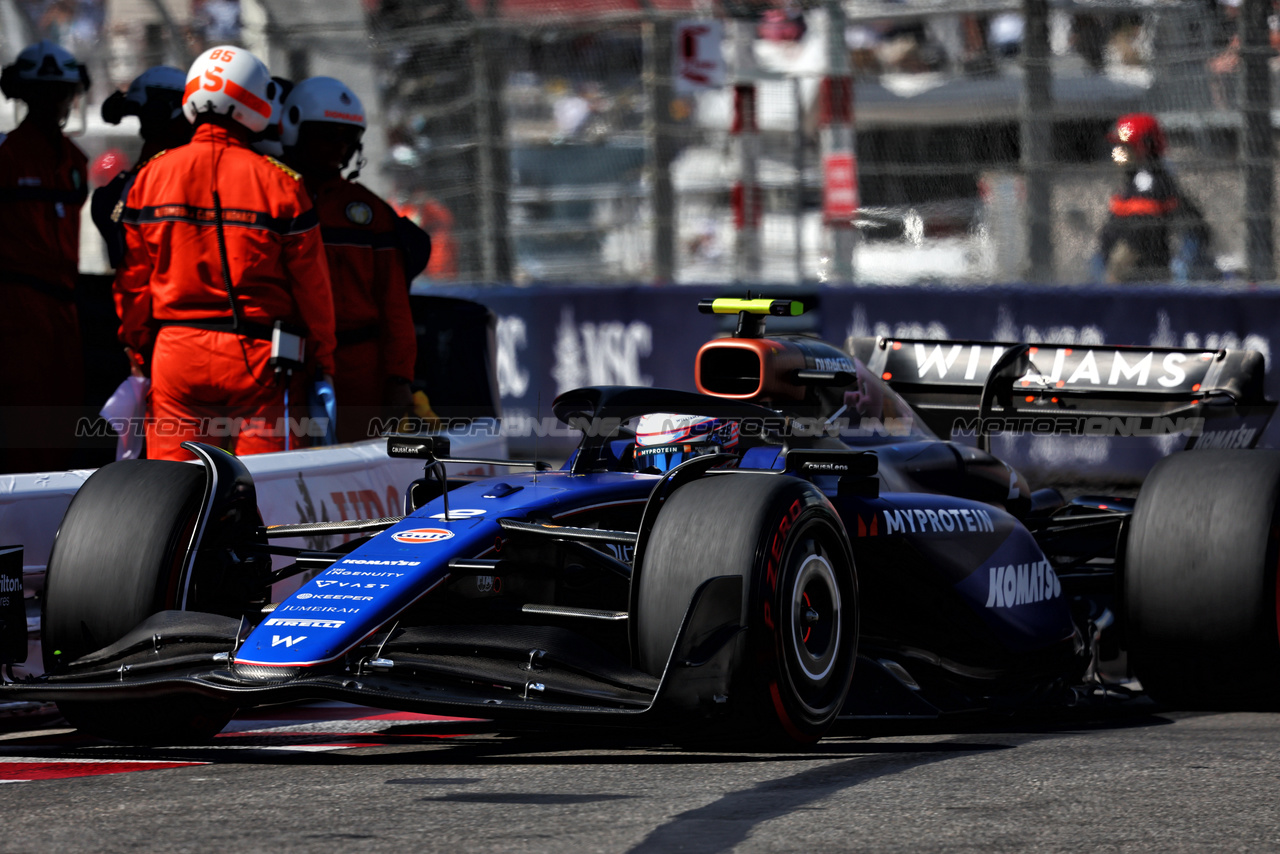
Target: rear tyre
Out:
[800,602]
[117,559]
[1200,580]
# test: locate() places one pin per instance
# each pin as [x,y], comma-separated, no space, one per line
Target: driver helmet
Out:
[664,440]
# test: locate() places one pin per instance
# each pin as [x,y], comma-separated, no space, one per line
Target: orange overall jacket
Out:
[172,299]
[376,339]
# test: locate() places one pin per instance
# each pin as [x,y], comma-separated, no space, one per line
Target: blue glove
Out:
[323,404]
[1189,261]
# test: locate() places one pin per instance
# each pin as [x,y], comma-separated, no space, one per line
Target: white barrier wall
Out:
[357,481]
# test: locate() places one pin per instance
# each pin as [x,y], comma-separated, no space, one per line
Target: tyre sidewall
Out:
[117,555]
[805,704]
[1200,594]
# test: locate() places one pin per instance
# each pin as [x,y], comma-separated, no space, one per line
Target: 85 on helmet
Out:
[229,81]
[320,99]
[665,439]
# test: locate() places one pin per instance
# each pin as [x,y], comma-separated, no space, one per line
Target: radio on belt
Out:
[287,347]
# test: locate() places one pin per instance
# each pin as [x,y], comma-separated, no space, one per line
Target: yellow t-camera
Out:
[771,307]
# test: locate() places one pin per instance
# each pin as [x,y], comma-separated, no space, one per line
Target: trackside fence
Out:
[554,339]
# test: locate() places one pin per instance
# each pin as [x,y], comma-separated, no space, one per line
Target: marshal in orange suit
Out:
[321,130]
[221,243]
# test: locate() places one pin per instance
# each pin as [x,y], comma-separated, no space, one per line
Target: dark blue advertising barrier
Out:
[554,339]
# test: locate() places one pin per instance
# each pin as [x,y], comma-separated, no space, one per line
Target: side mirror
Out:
[417,446]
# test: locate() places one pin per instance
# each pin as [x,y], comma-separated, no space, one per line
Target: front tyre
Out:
[800,603]
[117,559]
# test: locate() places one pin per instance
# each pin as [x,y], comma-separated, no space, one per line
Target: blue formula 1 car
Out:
[791,545]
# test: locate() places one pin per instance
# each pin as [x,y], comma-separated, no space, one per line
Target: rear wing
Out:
[951,383]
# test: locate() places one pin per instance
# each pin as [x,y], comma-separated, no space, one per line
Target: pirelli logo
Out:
[305,623]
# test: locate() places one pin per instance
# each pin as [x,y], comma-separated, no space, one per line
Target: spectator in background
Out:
[1223,66]
[216,21]
[784,24]
[437,258]
[1149,211]
[1005,33]
[571,111]
[436,220]
[1089,38]
[895,46]
[155,97]
[43,185]
[321,130]
[976,57]
[1227,60]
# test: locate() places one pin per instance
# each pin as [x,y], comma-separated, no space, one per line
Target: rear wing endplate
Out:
[954,379]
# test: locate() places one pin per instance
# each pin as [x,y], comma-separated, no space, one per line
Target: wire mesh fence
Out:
[535,138]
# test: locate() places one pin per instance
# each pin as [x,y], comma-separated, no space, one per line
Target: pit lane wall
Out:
[551,339]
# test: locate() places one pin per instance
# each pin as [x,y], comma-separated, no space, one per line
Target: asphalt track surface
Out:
[347,778]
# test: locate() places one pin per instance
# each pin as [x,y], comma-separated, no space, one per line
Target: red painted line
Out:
[411,716]
[25,772]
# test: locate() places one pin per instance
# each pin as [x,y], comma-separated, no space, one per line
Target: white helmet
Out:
[268,142]
[229,81]
[42,62]
[319,99]
[664,439]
